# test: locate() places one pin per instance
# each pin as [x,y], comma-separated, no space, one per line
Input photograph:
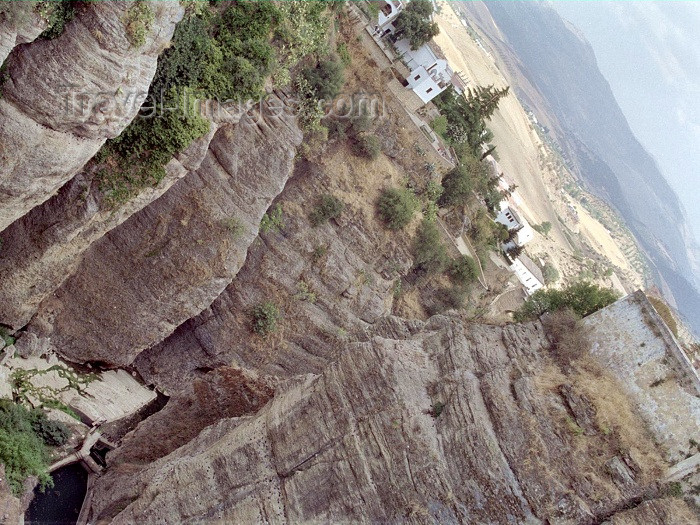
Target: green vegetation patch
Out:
[328,207]
[225,54]
[25,436]
[582,298]
[396,207]
[265,318]
[138,22]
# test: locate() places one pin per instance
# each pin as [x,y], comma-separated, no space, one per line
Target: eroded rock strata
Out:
[425,421]
[63,98]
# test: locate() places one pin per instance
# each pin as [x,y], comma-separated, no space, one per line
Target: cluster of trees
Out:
[582,298]
[466,116]
[415,24]
[25,436]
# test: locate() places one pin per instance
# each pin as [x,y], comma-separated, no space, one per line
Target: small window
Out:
[429,90]
[416,77]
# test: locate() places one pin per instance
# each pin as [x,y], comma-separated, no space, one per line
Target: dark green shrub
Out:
[368,146]
[460,183]
[53,433]
[429,252]
[58,13]
[326,79]
[265,317]
[464,270]
[582,298]
[23,448]
[328,207]
[397,207]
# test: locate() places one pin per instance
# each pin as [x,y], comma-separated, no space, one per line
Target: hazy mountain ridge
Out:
[554,70]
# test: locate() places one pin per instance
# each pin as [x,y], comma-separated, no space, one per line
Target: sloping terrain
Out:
[361,405]
[422,422]
[554,71]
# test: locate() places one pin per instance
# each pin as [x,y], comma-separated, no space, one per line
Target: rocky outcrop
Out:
[168,262]
[440,421]
[20,23]
[64,97]
[43,248]
[331,283]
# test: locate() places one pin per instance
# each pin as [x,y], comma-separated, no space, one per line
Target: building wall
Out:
[507,219]
[633,342]
[526,278]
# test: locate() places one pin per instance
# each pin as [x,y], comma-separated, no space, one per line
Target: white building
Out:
[512,220]
[528,273]
[388,11]
[430,73]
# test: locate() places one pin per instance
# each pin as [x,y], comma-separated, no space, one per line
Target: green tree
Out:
[464,270]
[543,228]
[466,116]
[583,298]
[24,436]
[429,252]
[326,79]
[460,182]
[414,23]
[397,207]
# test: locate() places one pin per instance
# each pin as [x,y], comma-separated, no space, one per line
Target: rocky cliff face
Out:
[168,262]
[64,97]
[19,24]
[354,409]
[424,421]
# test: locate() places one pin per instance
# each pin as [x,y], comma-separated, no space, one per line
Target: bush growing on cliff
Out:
[397,207]
[326,78]
[582,298]
[568,337]
[265,317]
[57,13]
[464,270]
[368,146]
[138,21]
[328,207]
[429,252]
[225,55]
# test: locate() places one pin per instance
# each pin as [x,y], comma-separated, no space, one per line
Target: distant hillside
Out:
[554,71]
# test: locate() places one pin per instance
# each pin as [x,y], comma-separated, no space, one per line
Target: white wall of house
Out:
[512,220]
[526,277]
[389,11]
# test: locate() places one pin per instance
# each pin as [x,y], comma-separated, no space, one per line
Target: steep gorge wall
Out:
[45,247]
[358,442]
[169,261]
[19,24]
[64,97]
